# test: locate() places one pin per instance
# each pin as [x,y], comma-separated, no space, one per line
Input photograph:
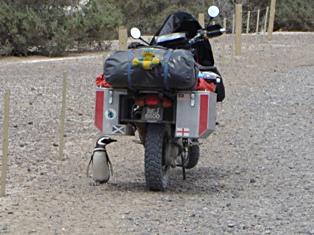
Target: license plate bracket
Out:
[153,114]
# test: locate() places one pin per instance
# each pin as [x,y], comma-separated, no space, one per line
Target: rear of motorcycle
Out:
[169,126]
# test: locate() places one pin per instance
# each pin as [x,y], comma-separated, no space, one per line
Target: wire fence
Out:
[253,21]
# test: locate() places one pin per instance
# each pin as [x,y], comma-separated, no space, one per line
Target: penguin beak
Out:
[111,140]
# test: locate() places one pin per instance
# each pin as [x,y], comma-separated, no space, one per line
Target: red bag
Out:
[101,82]
[203,85]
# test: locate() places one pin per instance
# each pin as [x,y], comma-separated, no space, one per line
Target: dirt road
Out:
[255,176]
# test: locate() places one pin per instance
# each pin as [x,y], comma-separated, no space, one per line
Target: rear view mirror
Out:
[135,33]
[213,11]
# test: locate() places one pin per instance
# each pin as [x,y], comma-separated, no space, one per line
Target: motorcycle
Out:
[169,122]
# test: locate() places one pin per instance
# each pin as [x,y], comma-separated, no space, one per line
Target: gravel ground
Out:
[255,174]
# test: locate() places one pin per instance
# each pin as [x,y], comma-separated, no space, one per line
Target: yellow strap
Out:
[146,64]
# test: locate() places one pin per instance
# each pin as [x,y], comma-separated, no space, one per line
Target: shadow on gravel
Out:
[128,186]
[201,180]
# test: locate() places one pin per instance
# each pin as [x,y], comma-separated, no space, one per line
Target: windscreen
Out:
[185,22]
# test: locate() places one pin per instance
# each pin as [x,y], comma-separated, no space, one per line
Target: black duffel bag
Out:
[151,68]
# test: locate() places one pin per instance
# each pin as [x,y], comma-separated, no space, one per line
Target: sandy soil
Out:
[255,175]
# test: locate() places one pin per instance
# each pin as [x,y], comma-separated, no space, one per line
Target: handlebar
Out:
[202,34]
[215,33]
[195,39]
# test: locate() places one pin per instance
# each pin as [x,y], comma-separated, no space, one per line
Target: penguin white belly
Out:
[100,167]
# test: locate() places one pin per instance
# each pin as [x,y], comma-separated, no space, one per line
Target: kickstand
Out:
[183,167]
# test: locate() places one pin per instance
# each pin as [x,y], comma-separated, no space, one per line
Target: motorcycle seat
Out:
[207,68]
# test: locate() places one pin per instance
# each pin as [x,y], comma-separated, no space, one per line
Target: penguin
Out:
[100,162]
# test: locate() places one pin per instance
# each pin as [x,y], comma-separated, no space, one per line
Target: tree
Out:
[52,27]
[295,15]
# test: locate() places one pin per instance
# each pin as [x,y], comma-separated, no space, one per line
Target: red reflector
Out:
[203,121]
[99,109]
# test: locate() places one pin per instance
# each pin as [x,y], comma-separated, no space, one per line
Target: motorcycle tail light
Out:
[152,100]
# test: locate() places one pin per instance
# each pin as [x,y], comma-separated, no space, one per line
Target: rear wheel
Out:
[156,171]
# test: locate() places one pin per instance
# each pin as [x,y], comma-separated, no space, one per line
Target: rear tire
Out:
[156,171]
[193,156]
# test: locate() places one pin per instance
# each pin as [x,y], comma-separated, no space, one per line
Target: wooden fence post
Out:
[266,18]
[225,24]
[5,142]
[271,19]
[201,19]
[238,29]
[257,21]
[123,38]
[62,117]
[248,22]
[223,48]
[233,24]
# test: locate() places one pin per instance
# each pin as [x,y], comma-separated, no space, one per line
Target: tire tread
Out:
[153,157]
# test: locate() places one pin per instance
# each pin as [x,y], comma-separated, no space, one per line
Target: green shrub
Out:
[34,27]
[295,15]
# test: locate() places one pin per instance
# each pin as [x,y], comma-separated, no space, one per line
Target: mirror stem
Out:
[143,40]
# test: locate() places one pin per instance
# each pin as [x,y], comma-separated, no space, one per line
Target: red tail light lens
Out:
[153,100]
